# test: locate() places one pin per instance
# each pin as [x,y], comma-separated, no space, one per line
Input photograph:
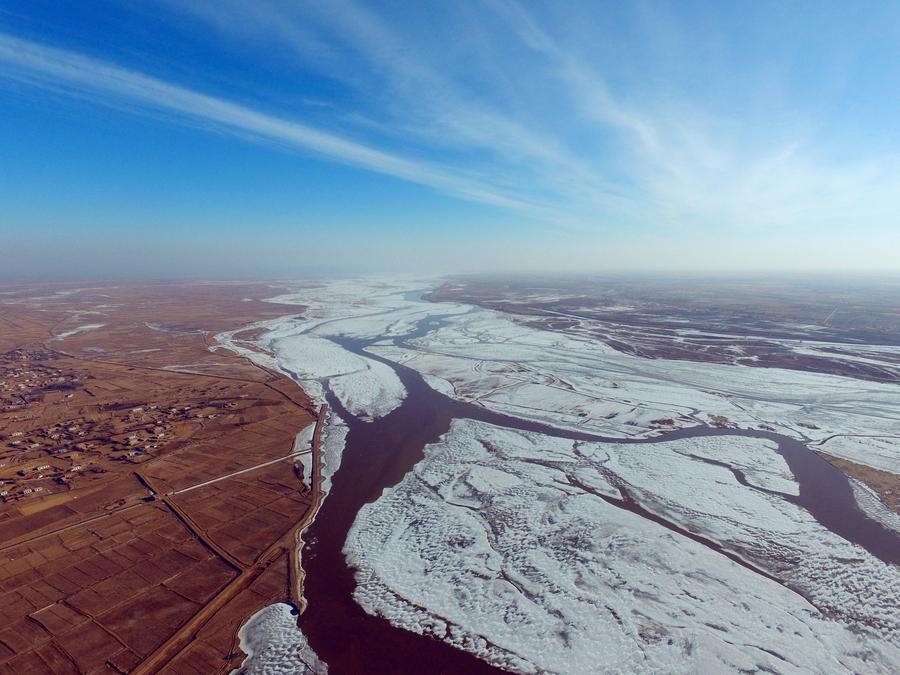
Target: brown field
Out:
[149,499]
[885,484]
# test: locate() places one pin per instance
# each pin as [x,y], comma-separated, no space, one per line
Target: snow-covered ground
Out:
[501,542]
[303,444]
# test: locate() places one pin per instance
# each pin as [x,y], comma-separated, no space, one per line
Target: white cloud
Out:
[503,107]
[63,70]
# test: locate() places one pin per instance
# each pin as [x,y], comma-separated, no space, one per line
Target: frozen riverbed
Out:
[523,540]
[488,358]
[571,382]
[275,646]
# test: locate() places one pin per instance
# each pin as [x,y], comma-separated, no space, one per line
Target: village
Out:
[44,450]
[150,487]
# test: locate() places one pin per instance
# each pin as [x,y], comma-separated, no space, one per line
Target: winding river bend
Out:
[378,454]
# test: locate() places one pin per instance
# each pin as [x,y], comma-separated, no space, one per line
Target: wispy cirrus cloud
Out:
[694,166]
[411,95]
[534,108]
[513,88]
[68,72]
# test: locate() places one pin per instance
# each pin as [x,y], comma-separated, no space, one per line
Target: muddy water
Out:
[378,454]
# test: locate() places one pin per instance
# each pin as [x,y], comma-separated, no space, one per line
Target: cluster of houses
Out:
[24,379]
[116,431]
[126,434]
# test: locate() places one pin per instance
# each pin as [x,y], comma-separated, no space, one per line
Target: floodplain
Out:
[150,486]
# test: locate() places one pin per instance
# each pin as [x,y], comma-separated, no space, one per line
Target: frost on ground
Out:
[77,331]
[276,646]
[512,545]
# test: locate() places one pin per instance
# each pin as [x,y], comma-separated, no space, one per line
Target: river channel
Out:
[378,454]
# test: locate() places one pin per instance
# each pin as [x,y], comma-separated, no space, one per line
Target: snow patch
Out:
[276,646]
[80,329]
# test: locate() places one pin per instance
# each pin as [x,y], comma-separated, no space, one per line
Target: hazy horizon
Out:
[272,139]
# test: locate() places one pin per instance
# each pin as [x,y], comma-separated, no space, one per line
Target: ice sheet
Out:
[497,544]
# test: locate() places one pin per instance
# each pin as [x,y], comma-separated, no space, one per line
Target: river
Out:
[378,455]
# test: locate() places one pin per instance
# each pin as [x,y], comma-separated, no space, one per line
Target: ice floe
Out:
[498,543]
[274,645]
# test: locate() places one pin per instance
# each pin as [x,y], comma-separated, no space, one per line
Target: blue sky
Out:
[186,137]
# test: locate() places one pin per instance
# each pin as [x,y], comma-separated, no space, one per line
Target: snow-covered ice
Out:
[517,547]
[873,507]
[575,383]
[500,542]
[332,445]
[878,452]
[571,382]
[305,348]
[274,645]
